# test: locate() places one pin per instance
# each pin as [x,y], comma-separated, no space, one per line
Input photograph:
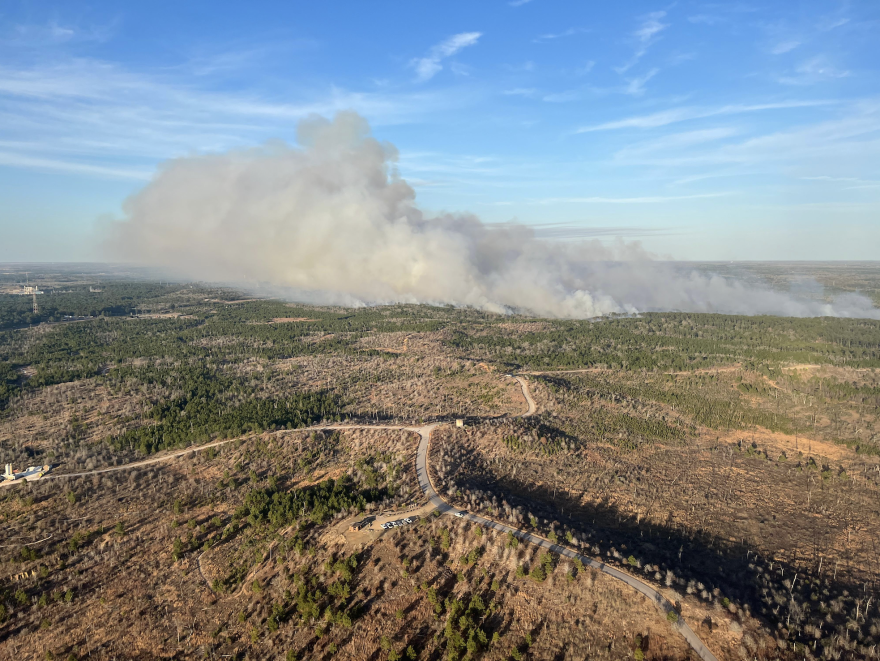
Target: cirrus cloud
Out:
[429,66]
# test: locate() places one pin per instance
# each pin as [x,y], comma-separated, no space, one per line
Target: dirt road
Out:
[436,502]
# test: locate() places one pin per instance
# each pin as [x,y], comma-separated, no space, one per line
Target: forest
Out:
[733,462]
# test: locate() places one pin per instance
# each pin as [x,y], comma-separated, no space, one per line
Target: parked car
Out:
[460,514]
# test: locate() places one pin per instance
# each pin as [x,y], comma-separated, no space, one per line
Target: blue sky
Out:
[705,130]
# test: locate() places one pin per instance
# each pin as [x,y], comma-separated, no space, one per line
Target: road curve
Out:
[531,402]
[437,501]
[442,506]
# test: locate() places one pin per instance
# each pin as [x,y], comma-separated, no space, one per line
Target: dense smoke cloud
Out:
[332,222]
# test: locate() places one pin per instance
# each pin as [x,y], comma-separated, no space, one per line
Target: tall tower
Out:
[36,309]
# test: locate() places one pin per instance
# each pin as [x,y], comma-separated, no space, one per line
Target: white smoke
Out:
[333,222]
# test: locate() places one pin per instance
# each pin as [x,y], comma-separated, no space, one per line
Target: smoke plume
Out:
[332,222]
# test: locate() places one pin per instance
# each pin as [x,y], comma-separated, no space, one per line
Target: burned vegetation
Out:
[231,552]
[748,523]
[731,462]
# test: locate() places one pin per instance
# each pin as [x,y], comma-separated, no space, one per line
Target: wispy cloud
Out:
[429,66]
[645,36]
[87,117]
[786,36]
[852,140]
[636,86]
[563,231]
[814,70]
[650,199]
[561,97]
[676,141]
[585,69]
[686,113]
[828,24]
[518,3]
[706,19]
[785,46]
[528,66]
[13,159]
[55,33]
[707,175]
[854,183]
[679,58]
[521,91]
[558,35]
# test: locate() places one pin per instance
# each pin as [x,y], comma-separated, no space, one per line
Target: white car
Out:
[460,514]
[385,526]
[407,520]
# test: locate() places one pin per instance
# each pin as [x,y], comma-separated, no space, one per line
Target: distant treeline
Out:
[114,299]
[679,341]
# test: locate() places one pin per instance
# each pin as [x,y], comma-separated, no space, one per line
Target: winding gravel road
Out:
[443,507]
[434,498]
